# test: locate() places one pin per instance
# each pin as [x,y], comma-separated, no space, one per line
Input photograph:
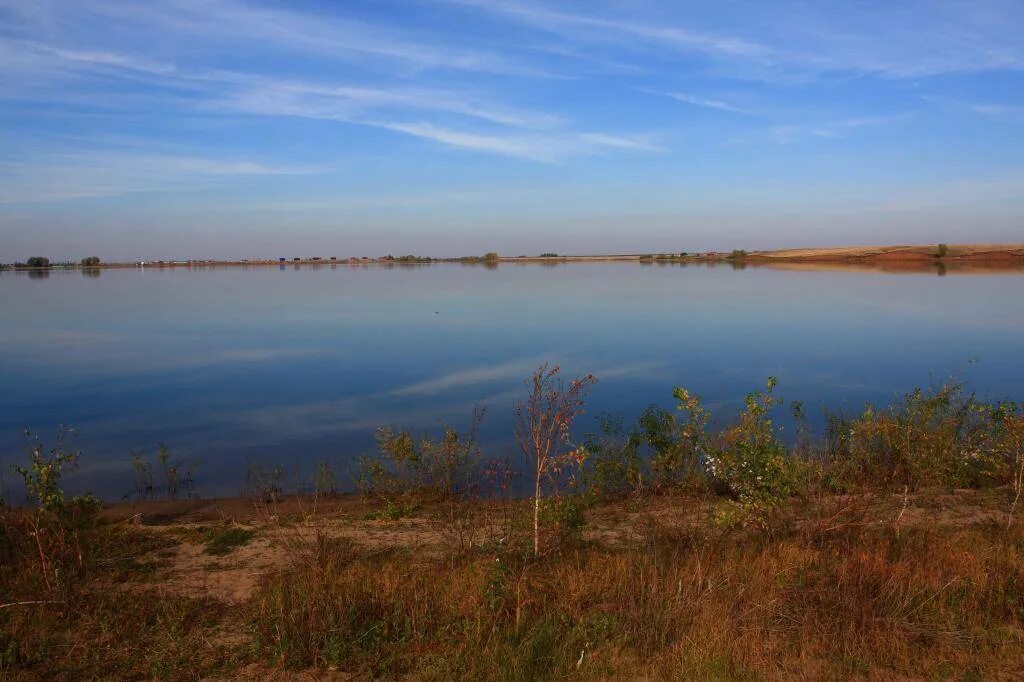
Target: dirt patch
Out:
[233,576]
[276,541]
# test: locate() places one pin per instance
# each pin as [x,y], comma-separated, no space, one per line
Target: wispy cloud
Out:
[798,41]
[1008,111]
[345,102]
[563,22]
[543,148]
[78,175]
[388,108]
[225,22]
[793,132]
[997,110]
[701,101]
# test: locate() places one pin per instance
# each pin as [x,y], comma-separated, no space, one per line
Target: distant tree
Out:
[491,256]
[90,261]
[943,250]
[38,262]
[738,254]
[549,255]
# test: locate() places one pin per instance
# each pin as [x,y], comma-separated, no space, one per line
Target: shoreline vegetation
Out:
[684,545]
[895,257]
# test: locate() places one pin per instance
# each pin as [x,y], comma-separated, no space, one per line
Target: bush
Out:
[264,482]
[751,465]
[62,530]
[178,476]
[676,449]
[90,261]
[443,468]
[937,437]
[943,250]
[613,467]
[38,262]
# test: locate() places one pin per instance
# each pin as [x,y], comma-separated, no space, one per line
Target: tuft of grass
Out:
[391,511]
[220,541]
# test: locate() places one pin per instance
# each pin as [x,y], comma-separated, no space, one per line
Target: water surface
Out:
[293,365]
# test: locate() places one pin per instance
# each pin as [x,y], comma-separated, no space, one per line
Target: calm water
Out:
[231,366]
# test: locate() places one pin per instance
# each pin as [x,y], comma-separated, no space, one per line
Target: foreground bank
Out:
[890,546]
[925,585]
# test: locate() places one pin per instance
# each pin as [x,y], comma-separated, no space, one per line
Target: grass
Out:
[821,596]
[654,588]
[222,541]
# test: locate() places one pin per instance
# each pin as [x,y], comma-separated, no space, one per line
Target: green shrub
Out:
[613,464]
[938,437]
[751,465]
[444,467]
[676,449]
[562,521]
[62,530]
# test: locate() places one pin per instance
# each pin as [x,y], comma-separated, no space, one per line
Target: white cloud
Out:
[545,148]
[702,102]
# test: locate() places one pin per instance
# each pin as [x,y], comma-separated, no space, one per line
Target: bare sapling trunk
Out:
[543,427]
[1015,431]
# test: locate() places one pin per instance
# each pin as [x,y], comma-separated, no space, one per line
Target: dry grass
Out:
[831,595]
[655,590]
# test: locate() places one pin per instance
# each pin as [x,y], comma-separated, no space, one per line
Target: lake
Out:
[233,366]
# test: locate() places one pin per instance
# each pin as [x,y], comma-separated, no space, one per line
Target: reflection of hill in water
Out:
[908,267]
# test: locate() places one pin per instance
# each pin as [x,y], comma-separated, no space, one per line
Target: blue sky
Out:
[223,128]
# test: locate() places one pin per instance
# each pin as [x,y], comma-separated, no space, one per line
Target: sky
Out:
[168,129]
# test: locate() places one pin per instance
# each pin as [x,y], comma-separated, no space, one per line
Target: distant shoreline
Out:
[992,255]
